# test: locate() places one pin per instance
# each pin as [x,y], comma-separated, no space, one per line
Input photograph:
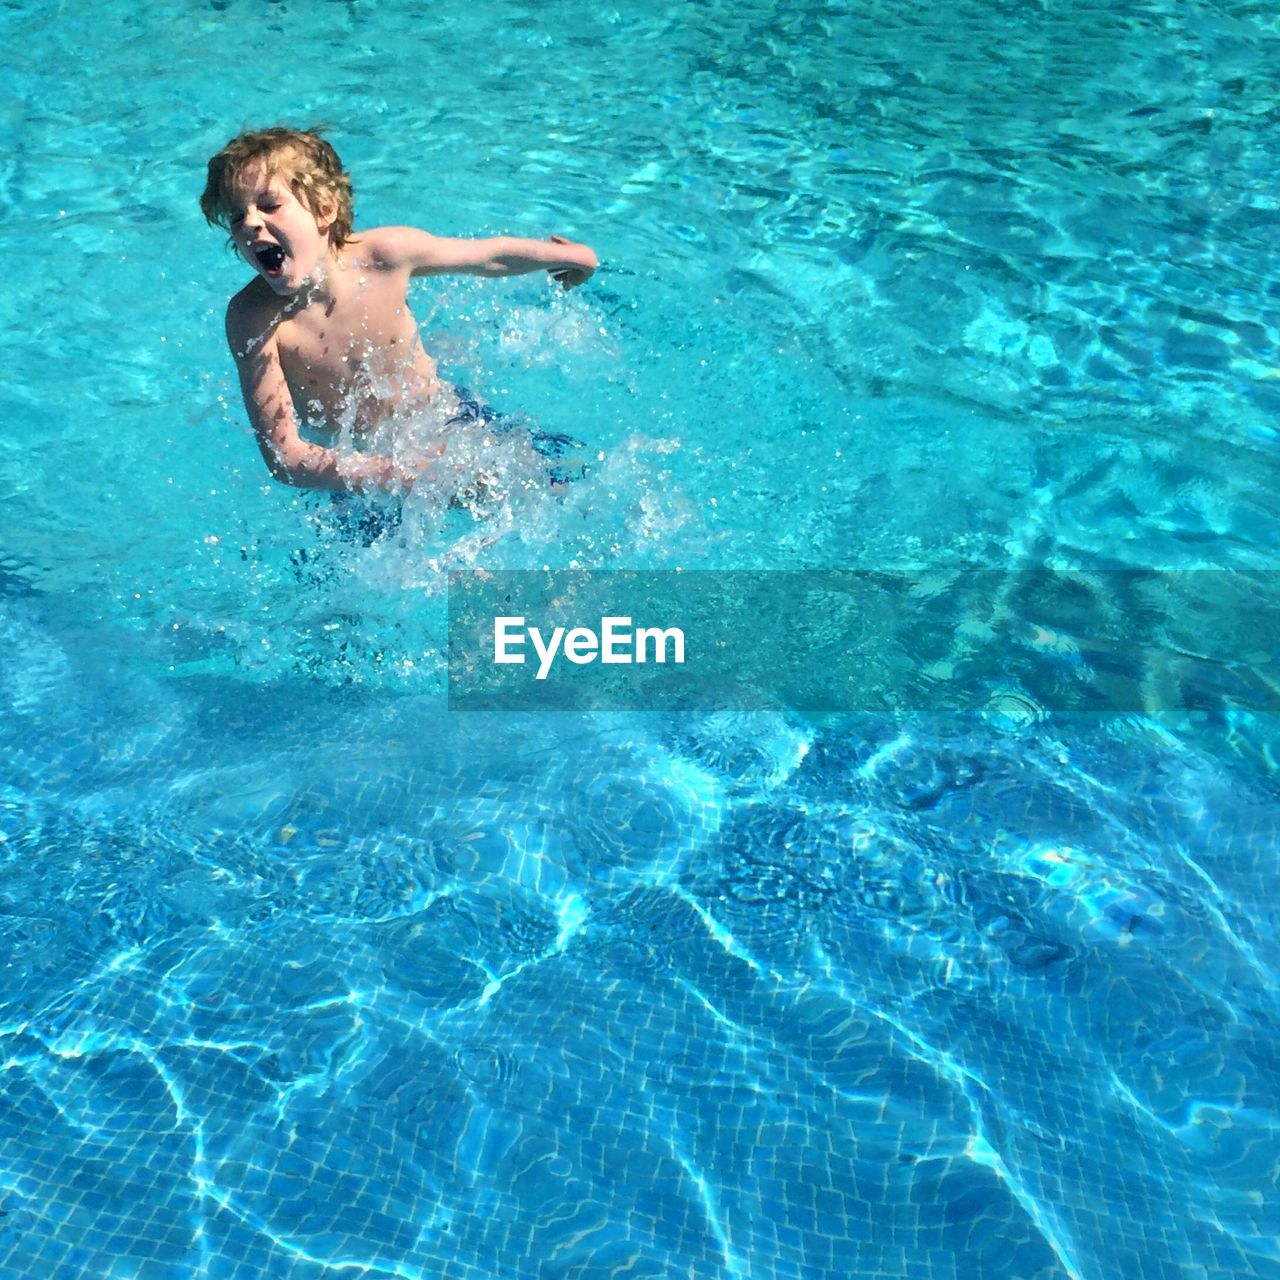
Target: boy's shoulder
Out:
[255,296]
[389,248]
[251,312]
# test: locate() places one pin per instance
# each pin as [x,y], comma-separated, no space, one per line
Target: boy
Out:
[323,334]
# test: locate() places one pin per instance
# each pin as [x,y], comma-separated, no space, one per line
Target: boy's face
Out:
[275,232]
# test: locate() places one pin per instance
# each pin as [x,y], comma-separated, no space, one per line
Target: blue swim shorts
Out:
[553,445]
[364,518]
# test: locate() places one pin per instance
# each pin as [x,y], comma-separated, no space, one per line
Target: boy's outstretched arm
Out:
[567,261]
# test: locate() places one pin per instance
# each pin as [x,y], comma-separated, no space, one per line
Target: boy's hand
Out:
[571,276]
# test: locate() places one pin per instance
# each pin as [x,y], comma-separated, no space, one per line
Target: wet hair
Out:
[301,156]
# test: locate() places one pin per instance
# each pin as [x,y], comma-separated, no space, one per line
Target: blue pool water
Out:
[306,977]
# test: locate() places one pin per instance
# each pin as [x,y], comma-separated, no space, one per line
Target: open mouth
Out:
[271,258]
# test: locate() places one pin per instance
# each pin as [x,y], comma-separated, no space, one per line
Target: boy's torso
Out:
[355,357]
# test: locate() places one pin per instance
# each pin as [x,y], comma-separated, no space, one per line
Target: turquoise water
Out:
[305,976]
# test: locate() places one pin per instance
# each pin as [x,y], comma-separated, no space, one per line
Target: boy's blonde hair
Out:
[309,164]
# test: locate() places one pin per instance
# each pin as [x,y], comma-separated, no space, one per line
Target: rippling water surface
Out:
[307,977]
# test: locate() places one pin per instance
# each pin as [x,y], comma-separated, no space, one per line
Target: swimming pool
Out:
[307,976]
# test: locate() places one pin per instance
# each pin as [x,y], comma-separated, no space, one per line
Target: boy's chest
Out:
[334,342]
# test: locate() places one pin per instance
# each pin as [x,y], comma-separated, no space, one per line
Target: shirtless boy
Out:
[324,327]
